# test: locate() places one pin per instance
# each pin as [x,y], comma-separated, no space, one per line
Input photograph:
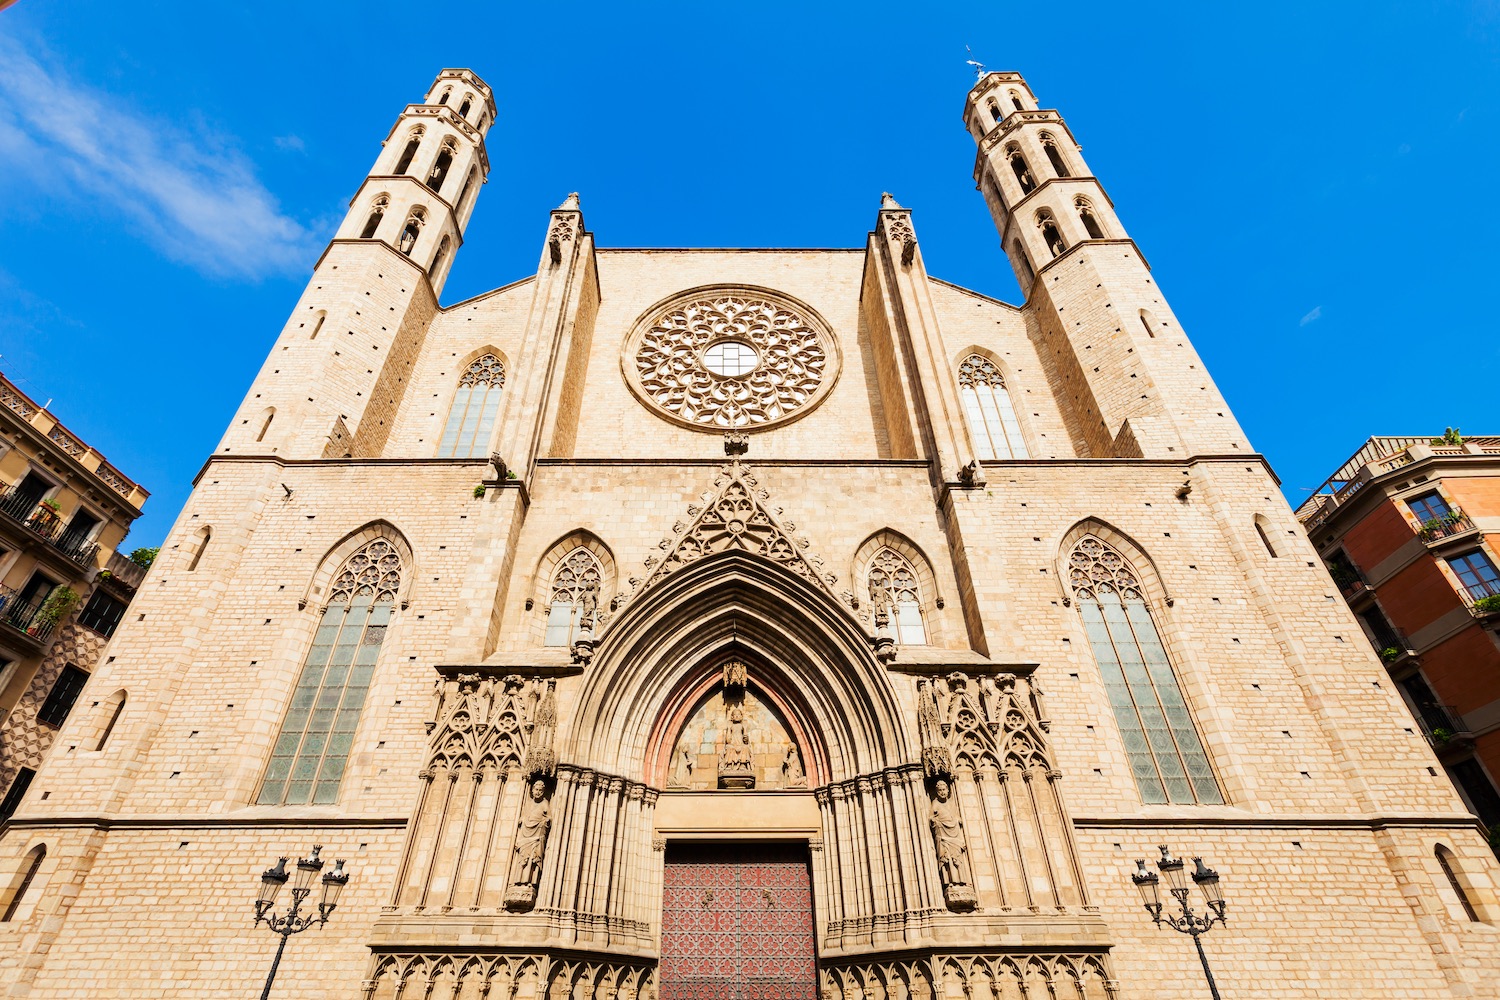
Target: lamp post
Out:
[1196,924]
[293,921]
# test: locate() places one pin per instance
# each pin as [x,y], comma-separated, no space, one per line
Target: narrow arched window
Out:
[377,212]
[1166,757]
[1015,100]
[118,701]
[575,589]
[1149,322]
[1021,170]
[412,144]
[1050,234]
[309,756]
[992,419]
[447,93]
[480,123]
[893,585]
[1265,539]
[440,256]
[1086,216]
[439,172]
[1054,155]
[411,231]
[463,109]
[995,111]
[471,419]
[463,195]
[33,864]
[1448,863]
[317,324]
[269,415]
[1019,252]
[200,545]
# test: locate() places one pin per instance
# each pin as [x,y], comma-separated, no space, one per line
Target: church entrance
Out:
[737,923]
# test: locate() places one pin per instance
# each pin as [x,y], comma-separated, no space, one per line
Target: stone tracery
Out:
[793,359]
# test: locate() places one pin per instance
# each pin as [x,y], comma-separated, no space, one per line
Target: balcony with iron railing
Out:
[41,519]
[1439,531]
[1351,583]
[1445,730]
[25,617]
[1483,602]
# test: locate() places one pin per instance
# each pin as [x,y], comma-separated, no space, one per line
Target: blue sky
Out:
[1313,184]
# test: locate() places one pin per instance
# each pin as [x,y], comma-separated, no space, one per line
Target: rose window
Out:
[727,358]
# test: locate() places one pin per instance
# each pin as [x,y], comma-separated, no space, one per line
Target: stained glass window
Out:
[893,581]
[575,583]
[992,419]
[475,407]
[1166,757]
[308,759]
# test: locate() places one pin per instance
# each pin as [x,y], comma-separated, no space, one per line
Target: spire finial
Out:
[570,203]
[888,201]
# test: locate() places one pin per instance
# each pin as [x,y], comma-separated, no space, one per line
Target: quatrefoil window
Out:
[730,357]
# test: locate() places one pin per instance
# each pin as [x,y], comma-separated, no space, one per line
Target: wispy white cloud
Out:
[192,196]
[1312,317]
[290,143]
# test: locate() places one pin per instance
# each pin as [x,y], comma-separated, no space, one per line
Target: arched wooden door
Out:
[737,923]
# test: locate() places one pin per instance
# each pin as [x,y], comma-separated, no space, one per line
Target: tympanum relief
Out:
[735,739]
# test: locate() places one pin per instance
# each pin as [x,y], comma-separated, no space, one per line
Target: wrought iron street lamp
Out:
[1196,924]
[293,921]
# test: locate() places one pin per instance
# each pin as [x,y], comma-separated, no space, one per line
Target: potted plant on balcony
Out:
[46,516]
[1431,528]
[1488,605]
[54,609]
[1441,735]
[1390,653]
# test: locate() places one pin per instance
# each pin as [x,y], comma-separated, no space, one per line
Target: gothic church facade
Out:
[740,623]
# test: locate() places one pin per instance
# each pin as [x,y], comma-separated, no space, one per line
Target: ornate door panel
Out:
[737,924]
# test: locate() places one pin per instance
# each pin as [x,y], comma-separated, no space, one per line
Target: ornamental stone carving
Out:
[723,358]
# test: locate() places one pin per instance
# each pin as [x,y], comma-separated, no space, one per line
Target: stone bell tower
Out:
[332,382]
[1136,386]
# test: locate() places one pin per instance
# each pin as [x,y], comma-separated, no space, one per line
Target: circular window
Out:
[730,358]
[721,358]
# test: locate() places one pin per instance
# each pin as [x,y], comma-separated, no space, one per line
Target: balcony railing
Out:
[37,517]
[1483,602]
[1351,582]
[1455,522]
[23,616]
[1444,728]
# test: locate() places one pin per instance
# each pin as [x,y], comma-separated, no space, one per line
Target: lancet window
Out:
[440,256]
[893,585]
[377,212]
[308,759]
[412,230]
[34,859]
[1050,234]
[440,166]
[410,151]
[1054,155]
[995,113]
[575,596]
[1089,220]
[1166,757]
[1022,171]
[475,406]
[463,109]
[992,418]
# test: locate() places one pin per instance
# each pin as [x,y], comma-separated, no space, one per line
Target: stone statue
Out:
[682,771]
[796,777]
[952,849]
[531,844]
[736,768]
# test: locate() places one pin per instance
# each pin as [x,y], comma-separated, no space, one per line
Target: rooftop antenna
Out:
[978,66]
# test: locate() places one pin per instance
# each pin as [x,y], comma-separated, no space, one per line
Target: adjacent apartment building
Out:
[1408,527]
[64,511]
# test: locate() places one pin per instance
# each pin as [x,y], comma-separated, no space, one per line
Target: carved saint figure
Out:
[682,772]
[735,674]
[796,777]
[531,843]
[952,848]
[736,768]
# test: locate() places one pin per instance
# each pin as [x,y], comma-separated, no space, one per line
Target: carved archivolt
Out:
[722,358]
